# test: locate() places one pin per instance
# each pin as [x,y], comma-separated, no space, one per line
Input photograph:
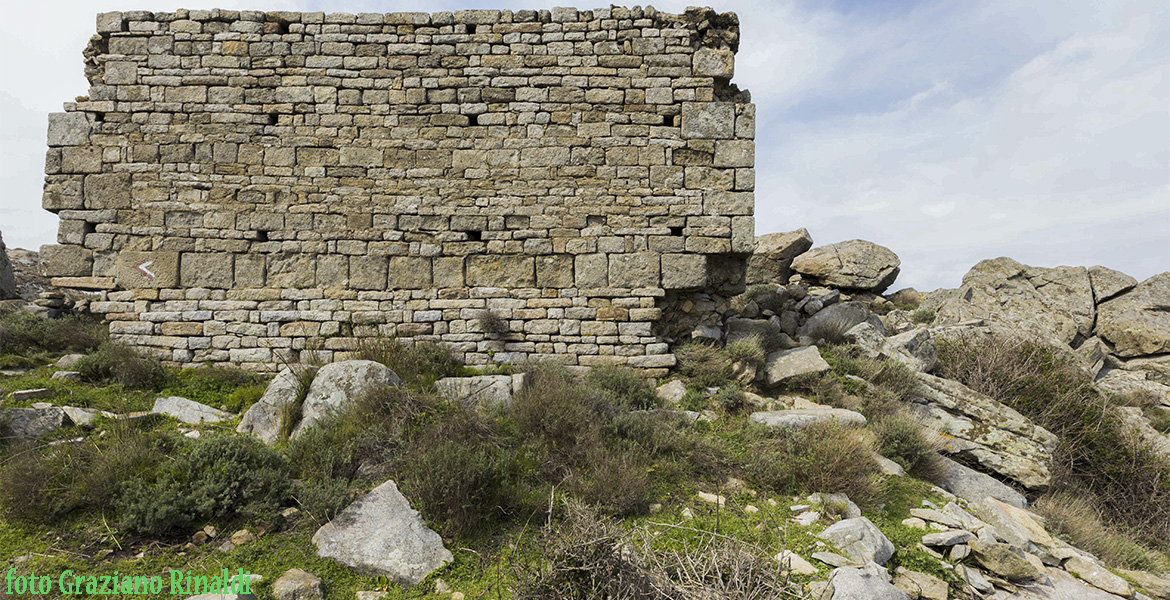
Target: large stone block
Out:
[708,120]
[591,270]
[206,270]
[68,129]
[410,272]
[368,272]
[712,62]
[148,270]
[635,270]
[107,190]
[501,270]
[554,271]
[66,261]
[81,159]
[292,270]
[683,271]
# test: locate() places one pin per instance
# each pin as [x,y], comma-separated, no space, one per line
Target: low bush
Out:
[901,438]
[832,331]
[419,365]
[25,333]
[1095,453]
[820,458]
[114,363]
[220,386]
[922,316]
[1077,518]
[623,386]
[703,364]
[749,351]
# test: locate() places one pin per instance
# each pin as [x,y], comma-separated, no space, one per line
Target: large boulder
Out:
[1108,283]
[1005,561]
[854,264]
[860,540]
[188,411]
[32,423]
[1018,527]
[7,277]
[263,419]
[973,486]
[380,534]
[1054,305]
[772,260]
[866,583]
[1138,322]
[786,364]
[983,431]
[339,383]
[841,317]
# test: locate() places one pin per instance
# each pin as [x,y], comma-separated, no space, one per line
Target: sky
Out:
[949,132]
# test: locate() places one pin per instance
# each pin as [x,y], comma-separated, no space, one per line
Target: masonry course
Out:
[240,186]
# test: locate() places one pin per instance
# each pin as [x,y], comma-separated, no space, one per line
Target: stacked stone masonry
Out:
[242,186]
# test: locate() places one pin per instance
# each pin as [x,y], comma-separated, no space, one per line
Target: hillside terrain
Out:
[820,438]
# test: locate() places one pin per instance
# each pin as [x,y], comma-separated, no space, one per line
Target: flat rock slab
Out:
[481,390]
[786,364]
[379,534]
[31,423]
[973,486]
[869,583]
[82,416]
[860,540]
[296,584]
[22,395]
[1098,576]
[804,417]
[188,411]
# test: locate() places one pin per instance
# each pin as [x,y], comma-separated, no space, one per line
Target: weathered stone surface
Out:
[1135,422]
[490,391]
[671,392]
[66,261]
[296,584]
[188,411]
[68,129]
[860,540]
[801,418]
[841,318]
[791,561]
[915,349]
[1157,587]
[742,329]
[973,486]
[853,264]
[786,364]
[31,423]
[1155,368]
[1119,382]
[380,534]
[263,419]
[1108,283]
[866,583]
[920,585]
[339,383]
[947,538]
[772,260]
[1098,576]
[712,62]
[1003,561]
[982,430]
[837,504]
[1138,322]
[7,277]
[1019,528]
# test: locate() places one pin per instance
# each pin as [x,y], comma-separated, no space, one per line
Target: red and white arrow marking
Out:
[142,268]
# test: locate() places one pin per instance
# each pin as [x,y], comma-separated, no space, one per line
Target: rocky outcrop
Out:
[339,383]
[840,317]
[263,419]
[972,486]
[786,364]
[7,277]
[852,265]
[983,431]
[1108,283]
[380,534]
[1138,322]
[854,583]
[772,260]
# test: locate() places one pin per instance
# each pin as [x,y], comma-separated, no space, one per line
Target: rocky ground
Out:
[813,348]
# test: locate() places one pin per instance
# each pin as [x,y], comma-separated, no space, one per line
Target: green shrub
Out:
[114,363]
[922,316]
[694,400]
[820,458]
[623,387]
[731,398]
[220,386]
[749,351]
[222,477]
[832,330]
[901,439]
[24,333]
[419,366]
[1077,518]
[703,364]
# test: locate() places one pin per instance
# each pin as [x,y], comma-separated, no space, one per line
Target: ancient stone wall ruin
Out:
[240,186]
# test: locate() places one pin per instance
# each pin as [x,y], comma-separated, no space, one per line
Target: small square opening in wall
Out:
[273,118]
[473,120]
[595,221]
[474,236]
[472,29]
[676,231]
[261,236]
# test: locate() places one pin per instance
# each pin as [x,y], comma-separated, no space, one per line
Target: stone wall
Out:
[240,186]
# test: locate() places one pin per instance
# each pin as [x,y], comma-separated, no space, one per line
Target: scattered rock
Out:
[481,390]
[188,411]
[69,361]
[23,395]
[32,423]
[372,595]
[805,519]
[860,539]
[82,416]
[837,504]
[1137,322]
[853,264]
[947,538]
[840,318]
[888,466]
[984,431]
[1001,560]
[772,260]
[671,392]
[915,348]
[801,418]
[1019,528]
[906,297]
[972,485]
[66,376]
[1158,587]
[712,498]
[920,585]
[1098,576]
[242,537]
[379,534]
[341,382]
[791,561]
[199,538]
[7,277]
[867,583]
[1061,586]
[834,560]
[786,364]
[296,584]
[263,418]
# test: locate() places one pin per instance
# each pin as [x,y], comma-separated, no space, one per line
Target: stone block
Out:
[107,190]
[722,203]
[712,62]
[68,129]
[501,270]
[205,270]
[121,72]
[683,271]
[66,261]
[634,270]
[364,157]
[735,153]
[410,273]
[554,271]
[292,270]
[148,270]
[250,270]
[81,159]
[368,272]
[591,270]
[332,270]
[448,272]
[708,120]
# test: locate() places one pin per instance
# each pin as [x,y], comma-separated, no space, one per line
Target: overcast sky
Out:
[948,132]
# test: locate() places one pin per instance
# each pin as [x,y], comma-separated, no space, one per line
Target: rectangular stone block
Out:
[735,153]
[107,190]
[501,270]
[554,271]
[708,120]
[409,273]
[367,272]
[591,270]
[147,270]
[684,271]
[81,159]
[291,270]
[249,271]
[332,270]
[364,157]
[448,271]
[66,261]
[68,129]
[634,270]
